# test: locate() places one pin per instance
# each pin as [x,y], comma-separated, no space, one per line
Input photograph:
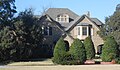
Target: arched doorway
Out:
[99,49]
[67,45]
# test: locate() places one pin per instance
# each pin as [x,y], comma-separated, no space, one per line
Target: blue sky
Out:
[97,8]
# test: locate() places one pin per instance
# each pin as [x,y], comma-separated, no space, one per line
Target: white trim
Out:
[63,18]
[92,31]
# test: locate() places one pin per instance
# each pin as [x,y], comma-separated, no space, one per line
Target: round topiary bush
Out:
[77,50]
[59,51]
[109,50]
[89,47]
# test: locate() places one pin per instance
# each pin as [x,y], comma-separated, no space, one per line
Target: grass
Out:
[40,62]
[5,69]
[33,62]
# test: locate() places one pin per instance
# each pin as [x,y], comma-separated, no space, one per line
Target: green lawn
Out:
[37,62]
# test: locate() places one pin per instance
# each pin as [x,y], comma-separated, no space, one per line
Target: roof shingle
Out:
[54,12]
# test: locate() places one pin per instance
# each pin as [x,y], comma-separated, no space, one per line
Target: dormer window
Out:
[63,18]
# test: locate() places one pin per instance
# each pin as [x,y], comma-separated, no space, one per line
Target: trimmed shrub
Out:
[59,51]
[89,47]
[109,50]
[67,59]
[117,60]
[77,50]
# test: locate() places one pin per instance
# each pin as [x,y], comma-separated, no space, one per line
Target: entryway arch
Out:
[66,45]
[99,49]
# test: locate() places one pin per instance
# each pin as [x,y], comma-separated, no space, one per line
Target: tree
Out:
[20,39]
[7,43]
[28,33]
[59,51]
[118,7]
[112,26]
[7,10]
[89,47]
[77,50]
[110,49]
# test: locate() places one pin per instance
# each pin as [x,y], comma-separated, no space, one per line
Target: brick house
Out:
[57,22]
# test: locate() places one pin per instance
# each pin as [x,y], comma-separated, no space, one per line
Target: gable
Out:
[47,18]
[89,21]
[82,20]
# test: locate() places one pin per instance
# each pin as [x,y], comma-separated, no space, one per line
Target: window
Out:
[46,30]
[78,30]
[50,30]
[62,18]
[84,30]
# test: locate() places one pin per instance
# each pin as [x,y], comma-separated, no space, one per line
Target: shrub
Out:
[59,51]
[67,59]
[109,50]
[77,50]
[117,60]
[89,47]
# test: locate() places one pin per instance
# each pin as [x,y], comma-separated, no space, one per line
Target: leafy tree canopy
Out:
[7,10]
[112,26]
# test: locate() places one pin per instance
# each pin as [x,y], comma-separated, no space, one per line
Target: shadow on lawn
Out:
[24,60]
[33,60]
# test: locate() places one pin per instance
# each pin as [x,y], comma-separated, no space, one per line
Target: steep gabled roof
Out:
[79,19]
[97,21]
[51,20]
[55,23]
[54,12]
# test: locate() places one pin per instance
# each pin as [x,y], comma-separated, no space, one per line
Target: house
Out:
[57,22]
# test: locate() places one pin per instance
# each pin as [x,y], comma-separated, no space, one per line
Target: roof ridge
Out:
[58,8]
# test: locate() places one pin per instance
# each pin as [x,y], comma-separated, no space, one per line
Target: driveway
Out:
[63,67]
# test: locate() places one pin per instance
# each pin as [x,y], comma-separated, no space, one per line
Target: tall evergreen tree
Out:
[89,47]
[59,51]
[77,50]
[110,49]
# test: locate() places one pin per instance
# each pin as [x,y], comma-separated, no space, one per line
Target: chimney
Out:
[88,14]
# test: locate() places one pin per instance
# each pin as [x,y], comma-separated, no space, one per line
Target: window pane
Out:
[65,19]
[58,19]
[84,30]
[50,30]
[78,30]
[62,19]
[45,31]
